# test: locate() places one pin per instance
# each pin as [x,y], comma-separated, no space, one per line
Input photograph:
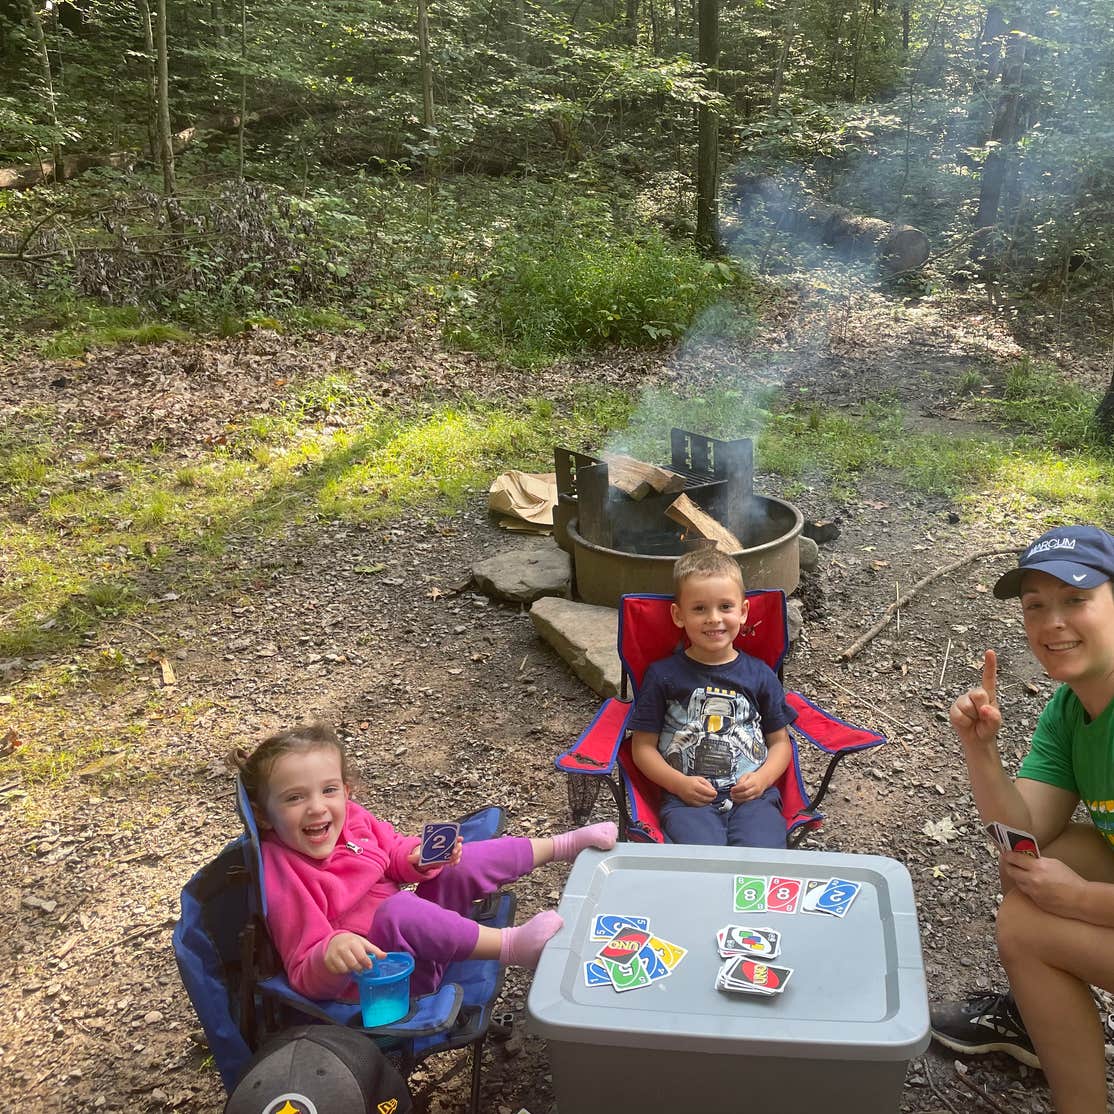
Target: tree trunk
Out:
[426,66]
[1104,415]
[243,87]
[632,22]
[707,127]
[906,21]
[166,147]
[788,34]
[152,77]
[1004,137]
[48,85]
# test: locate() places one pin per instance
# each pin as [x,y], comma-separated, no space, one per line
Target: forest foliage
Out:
[523,172]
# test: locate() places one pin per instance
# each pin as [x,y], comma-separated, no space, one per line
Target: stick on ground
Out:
[862,642]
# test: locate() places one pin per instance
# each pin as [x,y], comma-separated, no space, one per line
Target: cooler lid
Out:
[858,987]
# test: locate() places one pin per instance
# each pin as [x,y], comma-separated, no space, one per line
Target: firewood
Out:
[689,515]
[638,479]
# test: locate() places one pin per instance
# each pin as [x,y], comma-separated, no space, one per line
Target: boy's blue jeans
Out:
[756,823]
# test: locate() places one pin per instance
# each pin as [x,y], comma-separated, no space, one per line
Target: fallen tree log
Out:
[39,173]
[895,247]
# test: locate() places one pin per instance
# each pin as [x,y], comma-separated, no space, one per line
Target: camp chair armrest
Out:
[827,732]
[594,752]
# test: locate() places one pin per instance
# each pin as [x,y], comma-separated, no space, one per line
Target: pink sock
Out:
[569,844]
[522,946]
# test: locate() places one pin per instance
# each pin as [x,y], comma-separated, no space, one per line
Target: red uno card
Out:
[624,945]
[783,894]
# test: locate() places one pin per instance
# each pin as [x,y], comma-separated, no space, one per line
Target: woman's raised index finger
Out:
[990,676]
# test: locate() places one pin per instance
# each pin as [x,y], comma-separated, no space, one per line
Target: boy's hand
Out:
[748,788]
[975,715]
[695,791]
[347,952]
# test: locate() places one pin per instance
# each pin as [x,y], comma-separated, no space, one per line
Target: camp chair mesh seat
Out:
[241,995]
[601,756]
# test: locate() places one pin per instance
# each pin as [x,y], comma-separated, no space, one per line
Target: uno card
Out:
[595,973]
[751,976]
[782,895]
[814,887]
[605,925]
[837,896]
[627,976]
[750,893]
[1013,839]
[670,954]
[653,964]
[758,943]
[438,841]
[624,946]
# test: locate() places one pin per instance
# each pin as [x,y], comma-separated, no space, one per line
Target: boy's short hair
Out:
[708,560]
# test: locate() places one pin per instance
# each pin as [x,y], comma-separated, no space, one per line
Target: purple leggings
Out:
[429,922]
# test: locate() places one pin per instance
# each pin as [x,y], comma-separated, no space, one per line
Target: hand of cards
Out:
[438,841]
[1012,839]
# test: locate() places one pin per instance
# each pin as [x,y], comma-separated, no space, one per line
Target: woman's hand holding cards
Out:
[346,952]
[1049,884]
[975,715]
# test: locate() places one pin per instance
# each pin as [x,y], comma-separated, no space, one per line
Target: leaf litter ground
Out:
[452,703]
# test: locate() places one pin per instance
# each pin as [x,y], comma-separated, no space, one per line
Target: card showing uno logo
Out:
[388,1107]
[761,974]
[624,946]
[291,1103]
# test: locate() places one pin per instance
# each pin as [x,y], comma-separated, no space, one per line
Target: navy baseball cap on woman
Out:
[1079,555]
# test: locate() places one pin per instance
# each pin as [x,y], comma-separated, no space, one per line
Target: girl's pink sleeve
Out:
[300,930]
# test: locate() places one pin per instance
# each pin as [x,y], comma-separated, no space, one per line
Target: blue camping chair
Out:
[242,997]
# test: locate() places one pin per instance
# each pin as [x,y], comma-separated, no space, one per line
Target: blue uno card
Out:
[652,962]
[605,925]
[837,896]
[595,974]
[438,841]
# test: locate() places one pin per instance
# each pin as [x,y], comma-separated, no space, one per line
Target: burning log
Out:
[691,517]
[639,479]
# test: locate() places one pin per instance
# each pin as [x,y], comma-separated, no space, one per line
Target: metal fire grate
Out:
[719,478]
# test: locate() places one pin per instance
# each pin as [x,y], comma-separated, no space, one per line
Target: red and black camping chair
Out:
[602,754]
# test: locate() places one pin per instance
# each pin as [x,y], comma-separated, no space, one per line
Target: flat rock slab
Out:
[526,572]
[584,635]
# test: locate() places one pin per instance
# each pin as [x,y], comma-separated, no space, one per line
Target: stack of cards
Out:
[1012,839]
[774,894]
[631,956]
[742,975]
[756,943]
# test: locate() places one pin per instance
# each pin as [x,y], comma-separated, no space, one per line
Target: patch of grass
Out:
[1040,399]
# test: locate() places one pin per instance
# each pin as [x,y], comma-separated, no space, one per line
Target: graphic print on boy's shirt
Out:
[718,736]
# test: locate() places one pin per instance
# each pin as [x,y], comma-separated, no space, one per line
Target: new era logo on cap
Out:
[1079,555]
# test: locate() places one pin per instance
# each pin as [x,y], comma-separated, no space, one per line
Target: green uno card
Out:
[628,976]
[750,893]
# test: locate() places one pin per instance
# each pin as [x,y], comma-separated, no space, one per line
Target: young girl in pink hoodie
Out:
[334,874]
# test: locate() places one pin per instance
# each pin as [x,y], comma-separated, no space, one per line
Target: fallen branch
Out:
[856,647]
[980,1093]
[936,1090]
[874,709]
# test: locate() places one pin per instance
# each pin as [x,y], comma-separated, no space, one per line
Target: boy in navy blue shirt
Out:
[709,723]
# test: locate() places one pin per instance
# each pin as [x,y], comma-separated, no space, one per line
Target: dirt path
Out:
[450,702]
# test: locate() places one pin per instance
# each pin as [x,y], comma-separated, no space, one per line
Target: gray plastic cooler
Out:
[838,1039]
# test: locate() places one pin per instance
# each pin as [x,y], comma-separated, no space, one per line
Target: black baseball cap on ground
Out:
[1079,555]
[320,1069]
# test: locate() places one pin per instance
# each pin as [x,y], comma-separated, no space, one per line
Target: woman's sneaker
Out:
[984,1023]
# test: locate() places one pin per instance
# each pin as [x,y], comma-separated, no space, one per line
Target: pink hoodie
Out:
[309,901]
